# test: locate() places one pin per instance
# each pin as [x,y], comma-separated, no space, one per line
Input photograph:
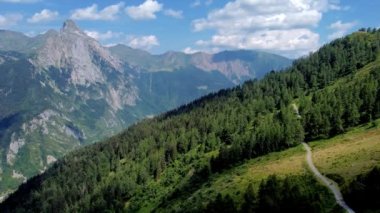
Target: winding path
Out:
[329,183]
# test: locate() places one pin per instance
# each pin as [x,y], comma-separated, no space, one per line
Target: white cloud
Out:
[196,3]
[31,33]
[204,49]
[338,7]
[335,5]
[174,13]
[92,13]
[144,11]
[243,15]
[110,38]
[292,42]
[9,19]
[102,36]
[340,29]
[281,26]
[35,33]
[143,42]
[190,50]
[43,16]
[110,44]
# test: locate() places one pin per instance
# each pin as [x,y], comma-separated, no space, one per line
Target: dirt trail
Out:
[329,183]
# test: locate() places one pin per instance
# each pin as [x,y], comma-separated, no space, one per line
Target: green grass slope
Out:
[341,158]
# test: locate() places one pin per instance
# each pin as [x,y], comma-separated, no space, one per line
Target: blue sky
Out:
[288,27]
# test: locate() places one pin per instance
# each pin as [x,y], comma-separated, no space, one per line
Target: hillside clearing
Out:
[346,155]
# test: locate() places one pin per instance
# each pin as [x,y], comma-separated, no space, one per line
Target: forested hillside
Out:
[166,157]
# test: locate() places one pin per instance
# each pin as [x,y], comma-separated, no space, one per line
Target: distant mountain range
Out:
[62,89]
[237,66]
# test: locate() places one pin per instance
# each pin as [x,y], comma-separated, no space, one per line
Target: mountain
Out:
[238,66]
[187,159]
[62,90]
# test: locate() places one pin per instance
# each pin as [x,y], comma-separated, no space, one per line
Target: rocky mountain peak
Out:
[70,26]
[71,49]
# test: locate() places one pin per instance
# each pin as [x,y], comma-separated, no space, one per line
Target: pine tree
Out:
[250,201]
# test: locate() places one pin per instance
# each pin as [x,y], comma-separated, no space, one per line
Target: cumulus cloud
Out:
[143,42]
[340,29]
[43,16]
[110,38]
[9,19]
[190,50]
[282,26]
[248,15]
[335,5]
[174,13]
[92,13]
[198,3]
[290,42]
[144,11]
[102,36]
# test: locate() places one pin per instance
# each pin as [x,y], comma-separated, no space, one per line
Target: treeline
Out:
[292,194]
[158,159]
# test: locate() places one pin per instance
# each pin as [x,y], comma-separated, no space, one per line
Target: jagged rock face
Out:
[87,64]
[14,146]
[65,91]
[72,49]
[236,70]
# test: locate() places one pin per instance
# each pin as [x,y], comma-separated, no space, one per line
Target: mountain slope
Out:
[169,157]
[62,90]
[338,158]
[18,42]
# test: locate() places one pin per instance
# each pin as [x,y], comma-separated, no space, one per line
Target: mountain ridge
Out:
[236,65]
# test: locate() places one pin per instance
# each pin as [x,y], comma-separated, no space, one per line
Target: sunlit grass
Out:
[350,154]
[347,155]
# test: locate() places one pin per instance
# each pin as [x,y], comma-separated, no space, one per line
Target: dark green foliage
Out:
[170,156]
[331,111]
[363,193]
[292,194]
[250,202]
[221,205]
[336,178]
